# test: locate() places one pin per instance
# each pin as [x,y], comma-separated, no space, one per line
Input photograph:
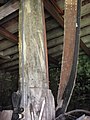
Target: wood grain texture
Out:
[8,8]
[34,83]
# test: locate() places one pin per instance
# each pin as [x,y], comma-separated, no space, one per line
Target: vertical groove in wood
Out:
[45,43]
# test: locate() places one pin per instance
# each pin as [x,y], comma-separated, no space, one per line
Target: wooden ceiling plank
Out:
[9,18]
[55,42]
[9,64]
[85,9]
[16,67]
[9,8]
[9,51]
[85,21]
[11,26]
[55,49]
[4,44]
[55,33]
[51,24]
[57,7]
[85,31]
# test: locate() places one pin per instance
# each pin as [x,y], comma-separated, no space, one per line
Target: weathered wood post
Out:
[37,99]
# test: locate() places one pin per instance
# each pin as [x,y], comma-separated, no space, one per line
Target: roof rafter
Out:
[8,35]
[53,11]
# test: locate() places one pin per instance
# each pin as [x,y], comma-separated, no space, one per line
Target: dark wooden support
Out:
[70,53]
[8,35]
[37,99]
[53,11]
[60,11]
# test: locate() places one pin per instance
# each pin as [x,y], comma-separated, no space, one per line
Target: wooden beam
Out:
[11,26]
[60,11]
[61,4]
[33,63]
[9,8]
[9,18]
[8,35]
[53,11]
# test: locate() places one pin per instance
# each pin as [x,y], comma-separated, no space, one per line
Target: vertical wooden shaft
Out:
[70,54]
[37,99]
